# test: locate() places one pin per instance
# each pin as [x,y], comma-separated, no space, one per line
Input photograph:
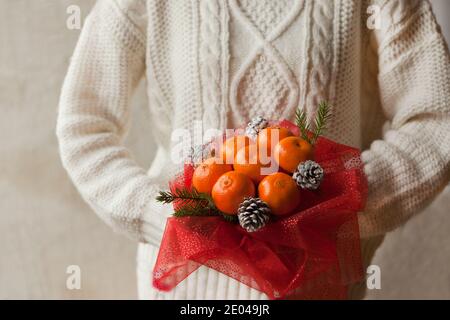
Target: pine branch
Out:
[302,124]
[194,203]
[194,210]
[322,116]
[183,194]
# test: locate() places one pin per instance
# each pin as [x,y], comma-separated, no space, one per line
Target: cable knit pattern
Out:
[262,88]
[320,54]
[346,126]
[265,83]
[225,61]
[210,61]
[266,14]
[161,90]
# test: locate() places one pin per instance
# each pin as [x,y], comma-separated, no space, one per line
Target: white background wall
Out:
[45,226]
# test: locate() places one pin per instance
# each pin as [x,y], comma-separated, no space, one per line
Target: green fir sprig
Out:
[302,124]
[322,116]
[193,203]
[183,194]
[193,210]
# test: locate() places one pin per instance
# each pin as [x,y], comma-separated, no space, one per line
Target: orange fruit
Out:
[230,190]
[290,151]
[280,193]
[248,162]
[269,137]
[231,146]
[207,173]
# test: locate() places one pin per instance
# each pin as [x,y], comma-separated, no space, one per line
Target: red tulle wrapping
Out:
[312,254]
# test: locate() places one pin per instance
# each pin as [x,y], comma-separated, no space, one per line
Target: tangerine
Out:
[248,161]
[231,146]
[280,192]
[291,151]
[269,137]
[207,173]
[230,190]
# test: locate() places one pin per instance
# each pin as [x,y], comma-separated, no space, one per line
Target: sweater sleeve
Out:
[108,63]
[410,166]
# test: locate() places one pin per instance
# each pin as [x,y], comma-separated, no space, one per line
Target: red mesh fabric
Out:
[312,254]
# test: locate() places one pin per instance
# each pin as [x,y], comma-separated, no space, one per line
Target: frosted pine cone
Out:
[253,214]
[309,175]
[257,124]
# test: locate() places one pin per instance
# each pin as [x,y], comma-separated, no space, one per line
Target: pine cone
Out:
[309,175]
[253,214]
[257,124]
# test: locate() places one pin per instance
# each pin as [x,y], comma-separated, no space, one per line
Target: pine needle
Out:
[322,116]
[302,124]
[194,203]
[194,210]
[182,194]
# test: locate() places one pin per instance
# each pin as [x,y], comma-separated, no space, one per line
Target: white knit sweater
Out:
[225,61]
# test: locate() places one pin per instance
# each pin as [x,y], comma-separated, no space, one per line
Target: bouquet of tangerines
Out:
[273,206]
